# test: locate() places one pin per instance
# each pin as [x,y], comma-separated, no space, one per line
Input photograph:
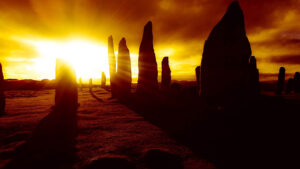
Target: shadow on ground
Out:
[52,144]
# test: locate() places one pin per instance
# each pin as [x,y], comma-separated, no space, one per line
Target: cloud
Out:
[286,59]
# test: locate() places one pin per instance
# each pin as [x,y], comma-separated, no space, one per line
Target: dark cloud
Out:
[286,59]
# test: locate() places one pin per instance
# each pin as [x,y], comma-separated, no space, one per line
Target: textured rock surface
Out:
[2,96]
[165,73]
[147,78]
[66,94]
[124,70]
[112,64]
[281,79]
[225,58]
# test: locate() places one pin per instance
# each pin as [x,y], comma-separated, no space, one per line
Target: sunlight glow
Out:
[89,59]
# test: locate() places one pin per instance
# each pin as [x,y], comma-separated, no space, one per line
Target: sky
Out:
[34,32]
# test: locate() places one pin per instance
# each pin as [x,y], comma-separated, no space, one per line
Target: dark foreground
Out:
[104,134]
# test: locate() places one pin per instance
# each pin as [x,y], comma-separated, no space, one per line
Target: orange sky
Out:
[180,29]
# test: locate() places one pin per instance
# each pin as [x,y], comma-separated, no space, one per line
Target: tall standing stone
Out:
[103,80]
[289,86]
[297,82]
[165,73]
[147,78]
[254,88]
[281,79]
[112,65]
[197,73]
[225,59]
[2,95]
[66,94]
[124,70]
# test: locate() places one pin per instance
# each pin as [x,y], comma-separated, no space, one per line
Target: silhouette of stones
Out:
[165,73]
[289,86]
[197,72]
[160,159]
[124,70]
[297,82]
[253,83]
[103,80]
[225,60]
[2,96]
[147,78]
[112,65]
[281,79]
[66,94]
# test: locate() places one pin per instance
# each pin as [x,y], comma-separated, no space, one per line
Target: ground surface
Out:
[106,128]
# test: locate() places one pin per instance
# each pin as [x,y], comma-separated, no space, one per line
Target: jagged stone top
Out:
[227,44]
[147,40]
[122,43]
[165,60]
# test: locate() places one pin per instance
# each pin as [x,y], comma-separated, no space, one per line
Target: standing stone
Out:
[289,86]
[225,59]
[2,95]
[254,88]
[281,79]
[297,82]
[112,65]
[147,78]
[103,80]
[197,72]
[165,73]
[66,94]
[124,70]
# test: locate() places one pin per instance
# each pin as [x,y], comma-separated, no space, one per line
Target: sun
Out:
[88,58]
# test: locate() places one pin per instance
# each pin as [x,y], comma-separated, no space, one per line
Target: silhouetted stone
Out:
[165,73]
[159,159]
[124,70]
[2,96]
[289,86]
[225,60]
[90,84]
[66,94]
[297,82]
[112,64]
[197,72]
[281,79]
[110,163]
[147,78]
[103,80]
[253,82]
